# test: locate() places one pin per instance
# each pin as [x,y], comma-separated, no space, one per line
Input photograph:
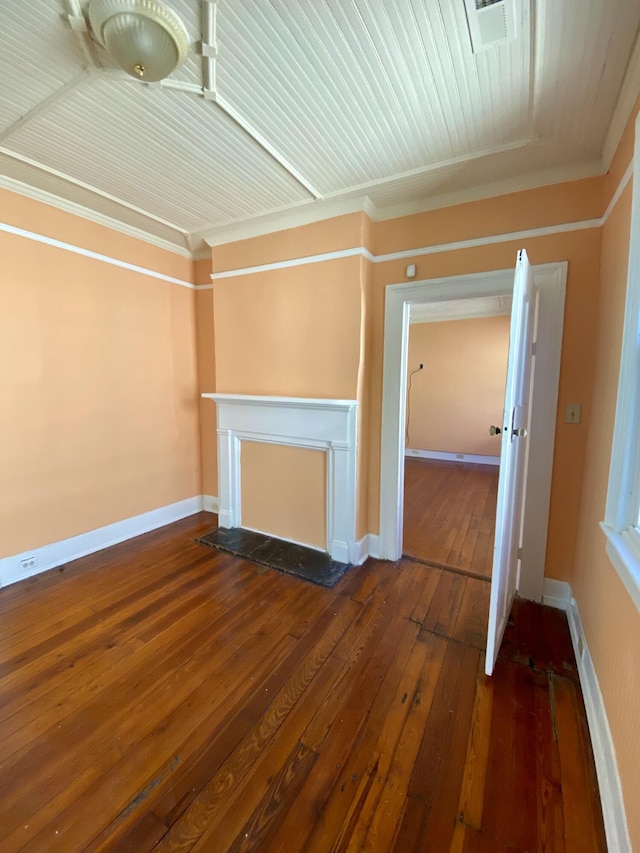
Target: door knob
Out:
[520,433]
[494,430]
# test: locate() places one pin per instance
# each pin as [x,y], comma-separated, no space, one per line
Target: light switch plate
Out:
[573,413]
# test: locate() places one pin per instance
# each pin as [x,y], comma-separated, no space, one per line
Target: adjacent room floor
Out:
[450,513]
[162,695]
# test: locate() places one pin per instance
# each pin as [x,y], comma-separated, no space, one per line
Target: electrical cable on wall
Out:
[406,431]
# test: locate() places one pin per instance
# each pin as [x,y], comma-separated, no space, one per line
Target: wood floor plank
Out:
[348,728]
[104,777]
[523,830]
[470,806]
[471,622]
[498,790]
[63,693]
[206,784]
[272,809]
[361,814]
[187,781]
[347,795]
[427,588]
[232,790]
[154,692]
[442,614]
[549,787]
[449,513]
[436,778]
[388,816]
[163,695]
[582,819]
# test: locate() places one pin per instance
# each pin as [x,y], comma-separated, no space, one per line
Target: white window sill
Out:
[624,552]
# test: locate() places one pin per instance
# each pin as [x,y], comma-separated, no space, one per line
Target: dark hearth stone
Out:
[305,563]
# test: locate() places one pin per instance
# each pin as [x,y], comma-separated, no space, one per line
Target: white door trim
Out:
[550,280]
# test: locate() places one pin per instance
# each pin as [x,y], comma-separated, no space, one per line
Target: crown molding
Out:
[416,252]
[76,209]
[407,254]
[622,111]
[202,254]
[307,213]
[76,182]
[304,213]
[531,181]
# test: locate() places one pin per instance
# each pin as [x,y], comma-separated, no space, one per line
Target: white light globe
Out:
[146,38]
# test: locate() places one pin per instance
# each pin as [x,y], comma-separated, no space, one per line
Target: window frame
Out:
[621,523]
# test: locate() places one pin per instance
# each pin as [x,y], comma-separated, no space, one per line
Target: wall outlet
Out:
[29,562]
[459,455]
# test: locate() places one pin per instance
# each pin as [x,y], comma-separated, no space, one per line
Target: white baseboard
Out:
[453,457]
[556,594]
[374,546]
[58,553]
[368,546]
[209,503]
[360,551]
[611,795]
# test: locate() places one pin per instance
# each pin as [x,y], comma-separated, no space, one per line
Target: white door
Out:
[511,481]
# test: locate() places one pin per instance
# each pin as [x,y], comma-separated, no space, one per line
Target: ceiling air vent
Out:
[491,22]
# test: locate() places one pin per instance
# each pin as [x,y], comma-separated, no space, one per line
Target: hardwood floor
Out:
[450,513]
[164,696]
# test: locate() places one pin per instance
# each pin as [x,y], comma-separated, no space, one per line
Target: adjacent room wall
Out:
[459,392]
[99,415]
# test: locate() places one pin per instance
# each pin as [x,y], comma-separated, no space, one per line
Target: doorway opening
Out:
[456,367]
[550,283]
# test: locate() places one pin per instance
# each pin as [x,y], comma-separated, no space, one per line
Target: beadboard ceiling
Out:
[310,107]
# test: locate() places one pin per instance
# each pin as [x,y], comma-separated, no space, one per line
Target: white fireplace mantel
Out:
[319,424]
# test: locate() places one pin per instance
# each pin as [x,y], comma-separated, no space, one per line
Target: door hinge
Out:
[519,554]
[534,346]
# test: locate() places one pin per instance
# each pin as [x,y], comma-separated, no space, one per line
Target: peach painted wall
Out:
[297,332]
[610,618]
[292,331]
[207,384]
[296,504]
[460,391]
[582,250]
[97,377]
[330,235]
[206,376]
[23,212]
[302,327]
[364,393]
[551,205]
